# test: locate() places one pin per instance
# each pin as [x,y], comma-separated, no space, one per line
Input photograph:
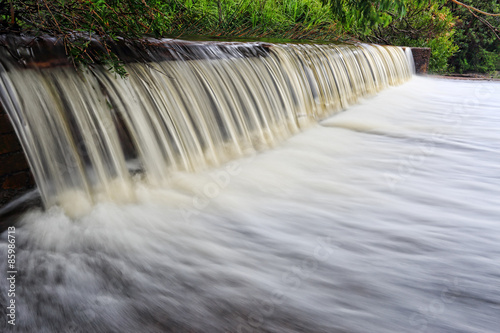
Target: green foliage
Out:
[477,38]
[443,49]
[470,40]
[251,18]
[461,40]
[365,15]
[75,22]
[424,24]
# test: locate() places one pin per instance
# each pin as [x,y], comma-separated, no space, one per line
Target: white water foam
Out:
[392,227]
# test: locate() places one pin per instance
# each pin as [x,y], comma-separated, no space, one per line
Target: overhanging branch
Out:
[474,9]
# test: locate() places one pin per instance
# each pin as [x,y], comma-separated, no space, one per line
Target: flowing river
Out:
[383,218]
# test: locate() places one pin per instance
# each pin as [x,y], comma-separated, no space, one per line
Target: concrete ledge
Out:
[421,56]
[47,51]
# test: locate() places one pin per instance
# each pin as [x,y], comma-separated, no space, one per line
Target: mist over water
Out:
[383,218]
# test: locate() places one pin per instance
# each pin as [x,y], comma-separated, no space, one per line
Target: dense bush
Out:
[423,24]
[75,22]
[295,19]
[361,16]
[131,19]
[461,40]
[477,37]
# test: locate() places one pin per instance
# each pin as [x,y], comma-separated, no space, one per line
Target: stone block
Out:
[421,56]
[9,143]
[5,124]
[11,163]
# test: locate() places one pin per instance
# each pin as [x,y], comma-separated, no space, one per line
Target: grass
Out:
[287,19]
[133,19]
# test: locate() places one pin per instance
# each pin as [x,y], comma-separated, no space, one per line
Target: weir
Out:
[85,133]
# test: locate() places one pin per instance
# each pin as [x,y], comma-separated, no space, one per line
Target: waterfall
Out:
[83,130]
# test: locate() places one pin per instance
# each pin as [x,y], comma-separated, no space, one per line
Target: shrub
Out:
[424,24]
[477,38]
[133,19]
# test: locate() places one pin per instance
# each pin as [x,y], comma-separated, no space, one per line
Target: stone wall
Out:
[15,174]
[421,56]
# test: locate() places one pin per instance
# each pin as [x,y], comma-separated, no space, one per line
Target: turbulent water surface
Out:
[383,218]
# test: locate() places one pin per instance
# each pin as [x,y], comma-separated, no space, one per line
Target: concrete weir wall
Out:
[15,175]
[421,57]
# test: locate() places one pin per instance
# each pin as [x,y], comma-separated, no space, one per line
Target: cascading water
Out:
[180,115]
[380,219]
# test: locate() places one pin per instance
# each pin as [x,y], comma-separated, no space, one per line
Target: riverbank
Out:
[467,77]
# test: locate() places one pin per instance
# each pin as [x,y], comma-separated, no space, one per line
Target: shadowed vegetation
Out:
[77,21]
[424,24]
[462,39]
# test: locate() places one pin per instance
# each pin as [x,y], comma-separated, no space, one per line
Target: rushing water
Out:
[80,130]
[383,218]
